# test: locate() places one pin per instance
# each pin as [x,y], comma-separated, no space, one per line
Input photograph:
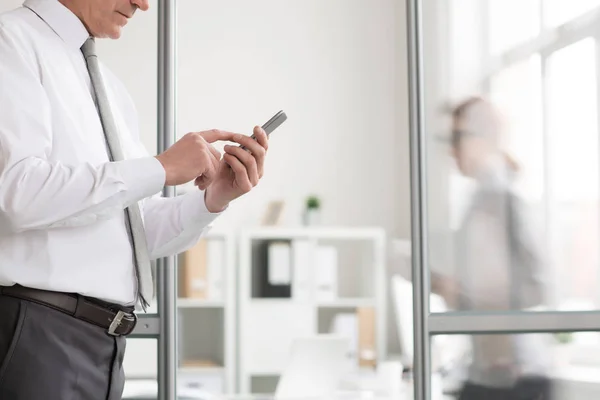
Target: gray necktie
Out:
[133,216]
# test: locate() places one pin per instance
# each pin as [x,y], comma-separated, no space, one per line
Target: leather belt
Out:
[116,320]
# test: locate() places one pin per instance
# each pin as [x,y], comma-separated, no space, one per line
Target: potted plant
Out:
[563,350]
[312,212]
[564,337]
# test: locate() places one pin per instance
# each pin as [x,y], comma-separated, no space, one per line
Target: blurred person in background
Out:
[499,265]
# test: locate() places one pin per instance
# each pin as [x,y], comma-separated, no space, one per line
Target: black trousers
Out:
[48,355]
[525,389]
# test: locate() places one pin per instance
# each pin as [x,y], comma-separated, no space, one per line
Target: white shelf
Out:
[199,303]
[347,303]
[202,370]
[314,233]
[264,373]
[270,325]
[271,301]
[214,234]
[339,303]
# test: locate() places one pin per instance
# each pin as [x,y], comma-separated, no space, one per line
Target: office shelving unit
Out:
[269,319]
[207,326]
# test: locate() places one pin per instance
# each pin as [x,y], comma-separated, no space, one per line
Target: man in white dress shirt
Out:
[69,279]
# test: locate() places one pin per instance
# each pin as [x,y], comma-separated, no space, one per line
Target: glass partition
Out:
[505,172]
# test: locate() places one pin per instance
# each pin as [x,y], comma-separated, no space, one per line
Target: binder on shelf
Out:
[326,272]
[346,325]
[270,275]
[216,268]
[279,259]
[206,363]
[367,355]
[193,273]
[302,254]
[202,270]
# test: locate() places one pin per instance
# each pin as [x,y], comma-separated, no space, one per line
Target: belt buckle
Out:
[116,322]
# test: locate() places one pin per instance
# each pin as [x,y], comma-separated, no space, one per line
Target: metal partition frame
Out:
[428,324]
[418,186]
[166,267]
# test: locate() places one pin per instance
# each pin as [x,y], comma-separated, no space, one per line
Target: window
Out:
[548,91]
[573,169]
[557,12]
[509,28]
[572,122]
[517,90]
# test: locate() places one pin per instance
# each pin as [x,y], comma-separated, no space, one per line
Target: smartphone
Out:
[272,124]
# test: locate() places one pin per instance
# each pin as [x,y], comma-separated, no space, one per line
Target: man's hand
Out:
[193,157]
[238,172]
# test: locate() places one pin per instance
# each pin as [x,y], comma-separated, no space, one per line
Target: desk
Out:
[148,389]
[363,384]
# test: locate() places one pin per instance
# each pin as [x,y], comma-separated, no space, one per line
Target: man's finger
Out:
[201,182]
[215,135]
[248,160]
[241,174]
[216,153]
[261,137]
[263,140]
[251,144]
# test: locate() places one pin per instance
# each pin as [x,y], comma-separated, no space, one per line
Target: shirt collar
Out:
[62,21]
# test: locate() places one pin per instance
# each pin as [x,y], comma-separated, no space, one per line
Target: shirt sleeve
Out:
[37,192]
[175,224]
[530,267]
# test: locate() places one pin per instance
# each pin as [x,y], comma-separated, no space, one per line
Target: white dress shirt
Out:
[487,276]
[62,223]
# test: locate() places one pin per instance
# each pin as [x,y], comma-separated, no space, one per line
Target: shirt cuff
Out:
[194,213]
[143,177]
